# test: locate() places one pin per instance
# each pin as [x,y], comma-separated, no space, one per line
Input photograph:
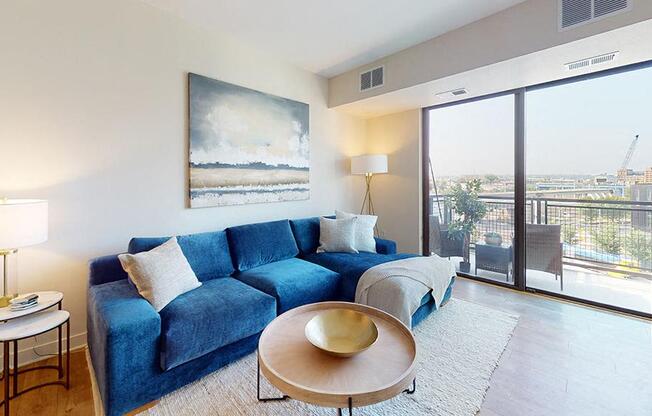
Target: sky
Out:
[580,128]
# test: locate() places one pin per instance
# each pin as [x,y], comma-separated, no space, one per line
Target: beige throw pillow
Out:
[364,230]
[336,236]
[160,274]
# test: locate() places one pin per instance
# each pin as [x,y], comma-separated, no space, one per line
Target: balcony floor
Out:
[599,286]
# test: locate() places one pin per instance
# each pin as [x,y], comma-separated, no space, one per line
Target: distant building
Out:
[648,175]
[629,177]
[643,193]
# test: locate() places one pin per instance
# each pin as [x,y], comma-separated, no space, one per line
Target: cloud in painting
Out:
[236,125]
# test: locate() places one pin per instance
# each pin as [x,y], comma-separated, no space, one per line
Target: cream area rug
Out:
[458,349]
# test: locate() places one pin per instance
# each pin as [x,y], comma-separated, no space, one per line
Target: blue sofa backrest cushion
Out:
[253,245]
[306,233]
[105,269]
[207,253]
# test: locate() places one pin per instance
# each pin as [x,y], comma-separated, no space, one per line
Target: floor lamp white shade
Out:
[368,164]
[23,222]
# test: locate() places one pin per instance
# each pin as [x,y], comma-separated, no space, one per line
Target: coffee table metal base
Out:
[411,390]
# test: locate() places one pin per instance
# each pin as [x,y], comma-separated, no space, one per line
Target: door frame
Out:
[520,103]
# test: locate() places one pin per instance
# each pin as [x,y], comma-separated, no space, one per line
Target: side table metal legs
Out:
[265,399]
[5,370]
[410,390]
[10,376]
[339,411]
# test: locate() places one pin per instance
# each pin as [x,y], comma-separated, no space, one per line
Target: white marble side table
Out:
[19,325]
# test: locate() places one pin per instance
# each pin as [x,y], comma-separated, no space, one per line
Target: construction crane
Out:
[630,153]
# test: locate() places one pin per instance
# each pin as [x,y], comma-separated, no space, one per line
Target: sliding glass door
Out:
[556,199]
[471,186]
[589,146]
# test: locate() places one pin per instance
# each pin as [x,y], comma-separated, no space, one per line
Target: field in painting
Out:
[235,186]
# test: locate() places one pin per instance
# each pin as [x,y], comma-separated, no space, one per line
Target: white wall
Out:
[93,118]
[526,28]
[397,194]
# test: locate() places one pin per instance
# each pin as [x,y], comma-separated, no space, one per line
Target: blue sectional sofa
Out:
[249,274]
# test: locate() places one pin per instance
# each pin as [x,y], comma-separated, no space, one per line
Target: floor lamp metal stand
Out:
[367,165]
[368,202]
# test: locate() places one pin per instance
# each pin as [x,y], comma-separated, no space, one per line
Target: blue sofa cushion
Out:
[207,253]
[254,245]
[351,266]
[105,269]
[293,282]
[428,305]
[306,233]
[218,313]
[385,246]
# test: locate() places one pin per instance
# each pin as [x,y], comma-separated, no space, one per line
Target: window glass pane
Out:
[589,189]
[471,217]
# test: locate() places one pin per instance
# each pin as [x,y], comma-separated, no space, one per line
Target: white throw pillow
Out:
[161,274]
[336,236]
[364,230]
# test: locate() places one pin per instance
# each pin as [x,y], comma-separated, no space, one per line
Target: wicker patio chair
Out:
[544,250]
[440,243]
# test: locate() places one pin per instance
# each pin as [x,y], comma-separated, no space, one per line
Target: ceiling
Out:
[334,36]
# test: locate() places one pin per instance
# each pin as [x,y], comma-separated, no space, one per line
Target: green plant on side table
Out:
[492,238]
[468,211]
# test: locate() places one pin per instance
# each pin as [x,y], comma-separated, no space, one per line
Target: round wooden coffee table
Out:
[303,372]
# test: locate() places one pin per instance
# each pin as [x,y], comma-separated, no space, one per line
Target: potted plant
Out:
[468,211]
[492,238]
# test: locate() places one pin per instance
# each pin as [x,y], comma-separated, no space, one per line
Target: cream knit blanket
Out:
[397,287]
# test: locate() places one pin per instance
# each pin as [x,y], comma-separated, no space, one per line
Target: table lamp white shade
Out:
[23,222]
[366,164]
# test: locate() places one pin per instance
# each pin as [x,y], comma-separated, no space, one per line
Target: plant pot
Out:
[493,241]
[465,266]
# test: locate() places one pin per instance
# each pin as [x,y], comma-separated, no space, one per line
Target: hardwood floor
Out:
[565,359]
[562,360]
[56,400]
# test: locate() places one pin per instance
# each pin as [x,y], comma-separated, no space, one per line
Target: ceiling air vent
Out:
[578,12]
[458,92]
[588,62]
[452,93]
[372,78]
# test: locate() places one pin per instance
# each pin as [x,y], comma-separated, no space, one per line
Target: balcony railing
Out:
[607,232]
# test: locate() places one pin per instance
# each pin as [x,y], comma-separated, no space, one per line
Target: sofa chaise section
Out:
[351,266]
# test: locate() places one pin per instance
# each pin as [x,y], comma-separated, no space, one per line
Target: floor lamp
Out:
[368,165]
[23,222]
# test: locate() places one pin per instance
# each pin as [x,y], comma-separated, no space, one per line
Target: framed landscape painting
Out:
[246,146]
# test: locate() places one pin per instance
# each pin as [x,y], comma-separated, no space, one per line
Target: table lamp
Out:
[368,165]
[23,222]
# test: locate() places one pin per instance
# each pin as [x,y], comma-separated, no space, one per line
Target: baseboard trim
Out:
[26,355]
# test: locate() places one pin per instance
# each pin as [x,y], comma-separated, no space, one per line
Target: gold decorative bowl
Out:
[341,332]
